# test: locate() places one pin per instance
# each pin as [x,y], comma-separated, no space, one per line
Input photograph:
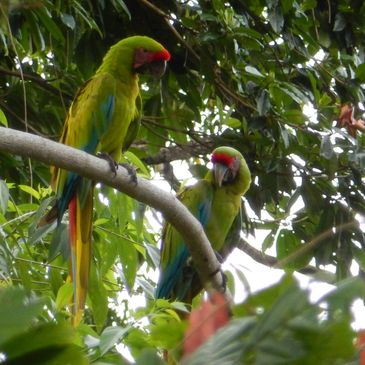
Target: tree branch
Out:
[96,169]
[272,261]
[181,152]
[37,80]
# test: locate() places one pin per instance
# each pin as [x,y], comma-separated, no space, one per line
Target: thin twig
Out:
[315,242]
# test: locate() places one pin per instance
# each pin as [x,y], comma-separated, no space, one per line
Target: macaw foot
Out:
[131,172]
[113,165]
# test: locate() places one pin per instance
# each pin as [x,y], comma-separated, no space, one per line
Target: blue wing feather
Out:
[101,122]
[172,276]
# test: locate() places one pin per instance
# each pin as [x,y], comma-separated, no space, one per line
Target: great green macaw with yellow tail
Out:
[215,201]
[104,117]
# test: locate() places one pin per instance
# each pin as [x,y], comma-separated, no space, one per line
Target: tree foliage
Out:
[267,77]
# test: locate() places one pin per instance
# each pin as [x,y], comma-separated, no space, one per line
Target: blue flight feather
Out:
[172,275]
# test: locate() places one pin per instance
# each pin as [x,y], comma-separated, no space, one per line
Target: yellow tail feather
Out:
[80,237]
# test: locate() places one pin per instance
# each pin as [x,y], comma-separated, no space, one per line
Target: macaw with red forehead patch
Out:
[215,201]
[104,117]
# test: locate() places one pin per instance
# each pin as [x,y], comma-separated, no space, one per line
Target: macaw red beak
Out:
[221,172]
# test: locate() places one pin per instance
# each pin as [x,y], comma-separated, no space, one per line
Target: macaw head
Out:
[135,55]
[227,163]
[150,57]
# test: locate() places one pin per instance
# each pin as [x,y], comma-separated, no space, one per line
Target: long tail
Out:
[80,226]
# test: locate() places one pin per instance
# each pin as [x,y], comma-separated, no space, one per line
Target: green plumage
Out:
[104,117]
[215,201]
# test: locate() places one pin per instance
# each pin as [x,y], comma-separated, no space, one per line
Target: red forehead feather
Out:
[163,55]
[222,158]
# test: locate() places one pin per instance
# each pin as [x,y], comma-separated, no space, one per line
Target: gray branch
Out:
[96,169]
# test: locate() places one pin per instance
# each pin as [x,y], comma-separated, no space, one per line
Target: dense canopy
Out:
[281,81]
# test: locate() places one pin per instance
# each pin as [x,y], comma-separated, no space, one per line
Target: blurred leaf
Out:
[31,191]
[4,196]
[276,19]
[49,344]
[288,243]
[340,23]
[98,297]
[136,162]
[326,147]
[16,312]
[129,259]
[68,20]
[3,119]
[225,347]
[149,357]
[110,337]
[124,7]
[263,103]
[346,292]
[253,71]
[64,296]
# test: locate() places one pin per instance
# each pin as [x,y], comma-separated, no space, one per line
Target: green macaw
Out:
[215,201]
[104,117]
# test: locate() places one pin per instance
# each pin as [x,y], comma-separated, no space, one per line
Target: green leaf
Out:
[268,241]
[4,196]
[326,147]
[31,191]
[294,116]
[253,71]
[64,296]
[98,297]
[360,72]
[295,93]
[111,337]
[226,346]
[46,19]
[346,292]
[16,312]
[129,258]
[288,243]
[167,333]
[289,304]
[340,23]
[359,256]
[233,123]
[136,162]
[263,102]
[59,243]
[68,20]
[124,7]
[3,119]
[149,356]
[276,19]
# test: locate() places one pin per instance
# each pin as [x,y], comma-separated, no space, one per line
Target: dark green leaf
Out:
[340,23]
[263,103]
[276,19]
[360,72]
[68,20]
